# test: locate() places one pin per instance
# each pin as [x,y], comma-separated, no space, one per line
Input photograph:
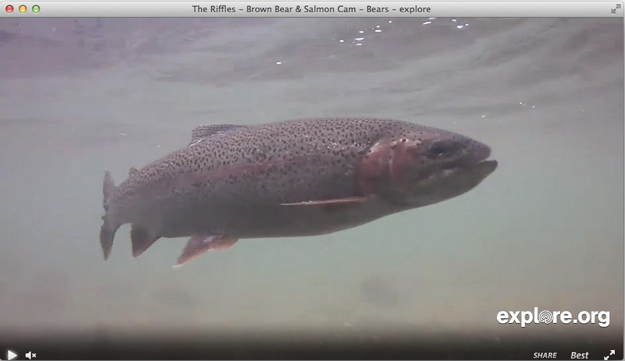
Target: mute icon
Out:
[30,355]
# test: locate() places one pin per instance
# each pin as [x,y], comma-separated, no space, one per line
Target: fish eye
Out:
[441,149]
[438,150]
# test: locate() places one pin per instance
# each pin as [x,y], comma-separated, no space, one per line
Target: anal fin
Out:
[200,243]
[141,239]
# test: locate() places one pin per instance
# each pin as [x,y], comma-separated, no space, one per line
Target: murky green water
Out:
[545,230]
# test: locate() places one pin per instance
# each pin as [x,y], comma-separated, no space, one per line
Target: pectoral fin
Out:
[201,243]
[331,203]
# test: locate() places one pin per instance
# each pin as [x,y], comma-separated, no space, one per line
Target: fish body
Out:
[292,178]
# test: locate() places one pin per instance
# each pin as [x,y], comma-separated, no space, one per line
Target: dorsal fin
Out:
[208,130]
[132,171]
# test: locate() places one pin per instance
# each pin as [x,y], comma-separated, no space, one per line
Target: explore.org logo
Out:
[601,318]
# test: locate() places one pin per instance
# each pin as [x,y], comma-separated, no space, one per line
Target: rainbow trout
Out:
[286,179]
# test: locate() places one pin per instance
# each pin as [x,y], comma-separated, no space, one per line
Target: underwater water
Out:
[544,230]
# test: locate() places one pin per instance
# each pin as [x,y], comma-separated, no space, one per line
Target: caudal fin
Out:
[110,226]
[107,234]
[108,188]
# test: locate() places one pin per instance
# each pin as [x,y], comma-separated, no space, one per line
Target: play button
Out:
[11,355]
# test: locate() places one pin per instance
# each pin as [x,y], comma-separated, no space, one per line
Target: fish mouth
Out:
[486,166]
[465,172]
[475,163]
[477,159]
[454,180]
[483,167]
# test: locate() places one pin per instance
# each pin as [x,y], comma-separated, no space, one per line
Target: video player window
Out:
[311,180]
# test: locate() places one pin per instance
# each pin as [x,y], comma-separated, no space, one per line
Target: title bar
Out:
[309,9]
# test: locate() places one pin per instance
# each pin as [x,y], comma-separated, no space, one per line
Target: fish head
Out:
[423,166]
